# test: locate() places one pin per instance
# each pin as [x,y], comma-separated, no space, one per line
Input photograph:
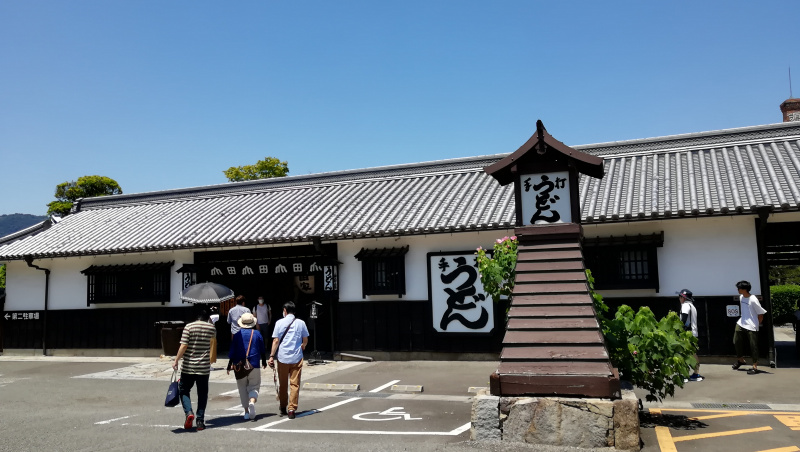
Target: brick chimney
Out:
[791,110]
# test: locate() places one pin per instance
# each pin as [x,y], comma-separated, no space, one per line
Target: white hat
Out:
[247,320]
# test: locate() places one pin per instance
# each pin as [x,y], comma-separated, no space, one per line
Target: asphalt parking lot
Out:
[69,404]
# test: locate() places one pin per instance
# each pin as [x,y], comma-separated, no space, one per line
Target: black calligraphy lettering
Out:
[456,300]
[543,200]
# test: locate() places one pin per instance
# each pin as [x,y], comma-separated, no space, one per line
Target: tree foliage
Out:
[262,169]
[84,187]
[498,268]
[784,300]
[780,275]
[3,276]
[655,355]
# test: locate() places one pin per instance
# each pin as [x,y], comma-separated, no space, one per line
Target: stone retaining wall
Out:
[558,421]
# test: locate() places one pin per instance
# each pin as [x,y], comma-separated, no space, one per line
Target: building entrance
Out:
[304,275]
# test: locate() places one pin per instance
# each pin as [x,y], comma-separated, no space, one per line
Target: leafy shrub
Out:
[498,268]
[784,301]
[655,355]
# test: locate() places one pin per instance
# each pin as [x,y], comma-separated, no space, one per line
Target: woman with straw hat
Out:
[246,347]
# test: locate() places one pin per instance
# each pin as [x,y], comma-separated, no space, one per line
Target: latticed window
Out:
[128,283]
[383,271]
[627,262]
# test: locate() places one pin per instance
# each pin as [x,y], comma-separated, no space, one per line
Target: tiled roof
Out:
[710,173]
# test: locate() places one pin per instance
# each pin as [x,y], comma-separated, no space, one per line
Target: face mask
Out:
[260,301]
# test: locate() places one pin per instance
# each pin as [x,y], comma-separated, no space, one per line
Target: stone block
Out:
[485,418]
[516,425]
[506,403]
[562,423]
[626,422]
[601,407]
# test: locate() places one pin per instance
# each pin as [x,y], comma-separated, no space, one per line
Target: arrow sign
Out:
[6,316]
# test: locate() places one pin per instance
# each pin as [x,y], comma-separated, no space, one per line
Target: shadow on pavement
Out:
[650,420]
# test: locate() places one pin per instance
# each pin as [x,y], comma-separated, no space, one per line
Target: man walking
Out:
[264,316]
[195,350]
[235,313]
[689,319]
[752,314]
[290,337]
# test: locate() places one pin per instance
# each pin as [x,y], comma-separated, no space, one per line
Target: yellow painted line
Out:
[718,434]
[693,410]
[716,416]
[782,449]
[655,411]
[796,428]
[665,442]
[789,421]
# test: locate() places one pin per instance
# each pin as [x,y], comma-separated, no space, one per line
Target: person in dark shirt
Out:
[247,344]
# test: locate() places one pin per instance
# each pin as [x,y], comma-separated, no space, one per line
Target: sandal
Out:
[737,365]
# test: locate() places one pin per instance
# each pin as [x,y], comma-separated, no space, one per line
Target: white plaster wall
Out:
[783,217]
[25,285]
[707,256]
[416,260]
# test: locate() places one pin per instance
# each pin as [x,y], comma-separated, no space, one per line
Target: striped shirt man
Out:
[197,338]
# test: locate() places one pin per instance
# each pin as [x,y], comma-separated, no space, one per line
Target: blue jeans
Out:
[185,385]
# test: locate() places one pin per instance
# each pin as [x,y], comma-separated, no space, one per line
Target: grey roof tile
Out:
[710,173]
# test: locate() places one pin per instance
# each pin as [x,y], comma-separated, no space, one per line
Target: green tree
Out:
[84,187]
[655,355]
[780,275]
[3,276]
[498,268]
[262,169]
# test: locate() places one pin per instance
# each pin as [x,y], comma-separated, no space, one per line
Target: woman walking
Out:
[247,347]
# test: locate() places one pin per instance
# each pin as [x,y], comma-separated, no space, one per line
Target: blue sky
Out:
[168,94]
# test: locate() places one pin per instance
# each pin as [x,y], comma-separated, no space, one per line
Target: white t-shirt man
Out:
[750,309]
[687,308]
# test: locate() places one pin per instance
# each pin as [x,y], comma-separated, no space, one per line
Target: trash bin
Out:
[170,332]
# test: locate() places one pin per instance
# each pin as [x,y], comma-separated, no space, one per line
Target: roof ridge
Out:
[688,139]
[208,193]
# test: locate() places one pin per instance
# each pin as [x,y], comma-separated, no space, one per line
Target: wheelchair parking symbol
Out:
[392,414]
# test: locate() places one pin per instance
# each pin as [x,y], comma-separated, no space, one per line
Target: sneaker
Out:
[201,425]
[291,414]
[752,371]
[251,410]
[187,424]
[737,365]
[696,377]
[246,415]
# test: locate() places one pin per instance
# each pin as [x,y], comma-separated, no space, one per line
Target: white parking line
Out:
[267,426]
[454,432]
[379,388]
[112,420]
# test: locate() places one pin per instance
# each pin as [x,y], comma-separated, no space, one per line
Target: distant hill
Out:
[17,221]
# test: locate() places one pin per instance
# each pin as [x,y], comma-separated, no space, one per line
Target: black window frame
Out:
[383,271]
[136,283]
[624,263]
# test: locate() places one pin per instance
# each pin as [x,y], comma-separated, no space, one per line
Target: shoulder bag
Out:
[243,367]
[173,393]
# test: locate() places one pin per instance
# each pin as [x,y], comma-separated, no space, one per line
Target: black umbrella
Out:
[207,292]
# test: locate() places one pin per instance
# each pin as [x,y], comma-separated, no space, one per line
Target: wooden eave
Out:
[541,141]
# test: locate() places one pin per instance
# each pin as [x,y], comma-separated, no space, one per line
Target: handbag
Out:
[173,393]
[243,368]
